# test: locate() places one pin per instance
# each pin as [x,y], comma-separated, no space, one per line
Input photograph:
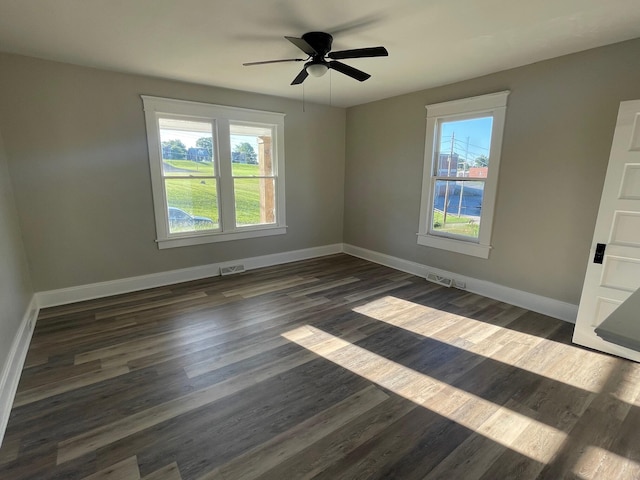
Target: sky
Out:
[472,137]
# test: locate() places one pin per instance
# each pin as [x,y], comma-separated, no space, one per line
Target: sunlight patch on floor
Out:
[500,424]
[597,462]
[486,339]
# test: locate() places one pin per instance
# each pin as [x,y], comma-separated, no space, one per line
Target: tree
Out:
[481,161]
[174,150]
[246,152]
[207,144]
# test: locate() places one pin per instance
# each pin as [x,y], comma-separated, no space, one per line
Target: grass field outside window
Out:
[197,198]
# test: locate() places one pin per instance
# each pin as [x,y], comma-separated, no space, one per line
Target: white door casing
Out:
[609,284]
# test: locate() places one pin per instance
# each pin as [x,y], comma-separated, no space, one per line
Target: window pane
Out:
[193,204]
[464,148]
[463,201]
[255,201]
[251,150]
[187,147]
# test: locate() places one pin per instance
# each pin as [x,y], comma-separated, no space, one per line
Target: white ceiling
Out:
[430,42]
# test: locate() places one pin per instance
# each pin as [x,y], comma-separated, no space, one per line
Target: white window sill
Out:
[219,237]
[458,246]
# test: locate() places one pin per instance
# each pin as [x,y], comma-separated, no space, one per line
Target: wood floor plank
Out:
[65,310]
[47,374]
[228,358]
[324,287]
[9,450]
[375,457]
[25,397]
[35,358]
[125,470]
[376,291]
[282,447]
[269,287]
[320,455]
[150,305]
[476,454]
[170,472]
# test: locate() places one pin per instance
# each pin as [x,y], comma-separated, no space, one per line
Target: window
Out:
[217,172]
[462,157]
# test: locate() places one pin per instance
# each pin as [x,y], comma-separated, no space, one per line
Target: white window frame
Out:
[494,105]
[221,117]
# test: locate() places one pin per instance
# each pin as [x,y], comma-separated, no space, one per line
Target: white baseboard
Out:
[12,369]
[80,293]
[537,303]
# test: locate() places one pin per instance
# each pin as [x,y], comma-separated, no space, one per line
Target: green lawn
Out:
[458,225]
[198,168]
[244,170]
[193,197]
[206,168]
[198,196]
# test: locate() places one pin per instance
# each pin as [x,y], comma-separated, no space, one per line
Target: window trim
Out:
[494,105]
[220,116]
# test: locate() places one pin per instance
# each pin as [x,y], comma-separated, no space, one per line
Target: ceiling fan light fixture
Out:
[316,69]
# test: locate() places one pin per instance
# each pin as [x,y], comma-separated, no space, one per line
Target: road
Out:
[471,201]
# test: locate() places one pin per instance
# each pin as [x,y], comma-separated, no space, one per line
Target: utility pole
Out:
[446,190]
[466,159]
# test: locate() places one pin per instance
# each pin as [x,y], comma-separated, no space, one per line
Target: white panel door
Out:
[611,282]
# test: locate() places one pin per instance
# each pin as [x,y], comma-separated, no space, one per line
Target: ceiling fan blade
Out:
[248,64]
[303,45]
[359,53]
[349,71]
[300,78]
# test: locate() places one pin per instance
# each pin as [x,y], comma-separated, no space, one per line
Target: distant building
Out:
[478,172]
[241,157]
[198,154]
[448,165]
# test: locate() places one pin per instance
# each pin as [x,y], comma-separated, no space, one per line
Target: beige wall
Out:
[558,133]
[15,286]
[76,143]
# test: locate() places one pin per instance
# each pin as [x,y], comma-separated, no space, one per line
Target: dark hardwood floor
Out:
[334,368]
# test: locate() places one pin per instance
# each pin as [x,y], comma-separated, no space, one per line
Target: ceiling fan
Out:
[317,45]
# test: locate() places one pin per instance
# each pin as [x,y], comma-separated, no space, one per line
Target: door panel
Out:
[621,273]
[630,188]
[610,283]
[604,308]
[626,226]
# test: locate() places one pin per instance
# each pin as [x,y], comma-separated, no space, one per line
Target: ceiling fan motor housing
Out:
[321,43]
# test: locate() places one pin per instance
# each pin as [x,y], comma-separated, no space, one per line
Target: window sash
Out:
[441,233]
